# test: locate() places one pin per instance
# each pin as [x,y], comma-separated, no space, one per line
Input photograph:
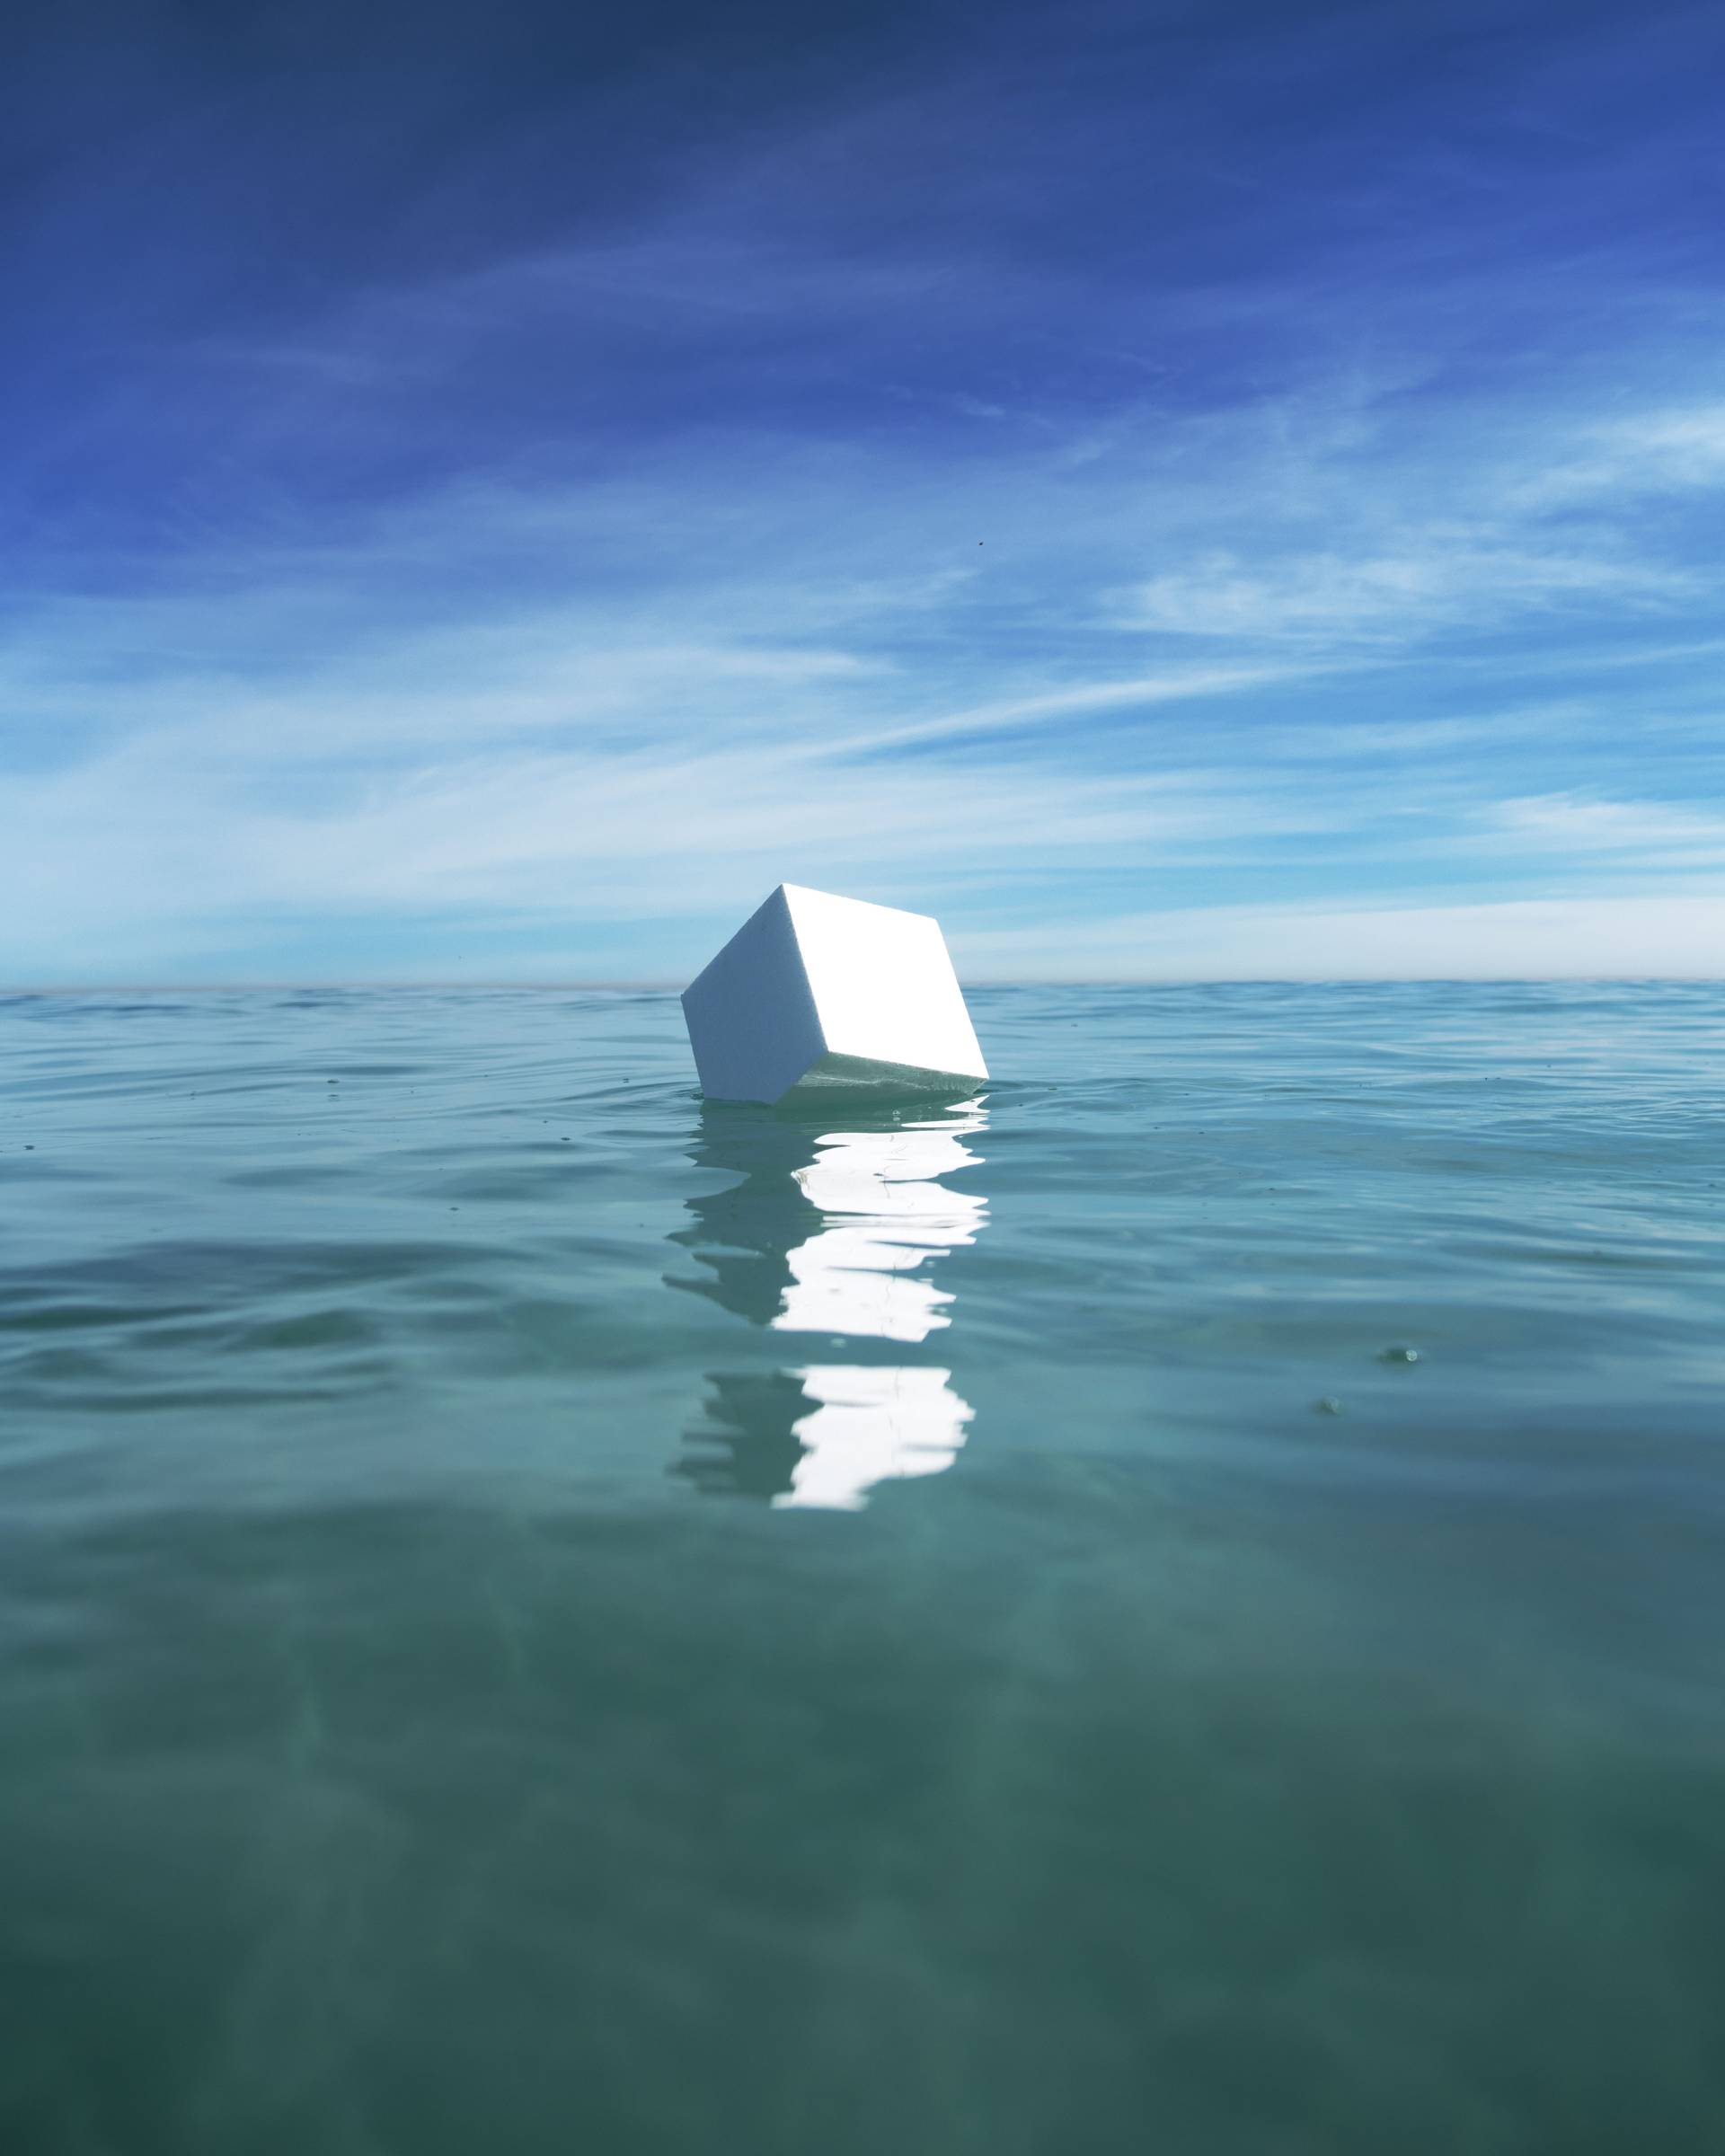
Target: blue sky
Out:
[1193,490]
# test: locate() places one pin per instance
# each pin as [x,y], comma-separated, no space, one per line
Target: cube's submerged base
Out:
[865,1074]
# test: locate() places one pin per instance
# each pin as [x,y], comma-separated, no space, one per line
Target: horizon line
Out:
[10,990]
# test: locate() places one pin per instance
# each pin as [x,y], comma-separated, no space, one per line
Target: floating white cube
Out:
[818,991]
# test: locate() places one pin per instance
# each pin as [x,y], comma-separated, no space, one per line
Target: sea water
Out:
[1175,1604]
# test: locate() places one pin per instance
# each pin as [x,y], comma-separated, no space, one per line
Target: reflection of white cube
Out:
[814,990]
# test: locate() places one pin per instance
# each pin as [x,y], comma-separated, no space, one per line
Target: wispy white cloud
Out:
[1676,936]
[1670,450]
[170,831]
[1656,833]
[1176,685]
[1440,579]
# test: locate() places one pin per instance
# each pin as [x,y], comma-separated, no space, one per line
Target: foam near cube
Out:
[814,990]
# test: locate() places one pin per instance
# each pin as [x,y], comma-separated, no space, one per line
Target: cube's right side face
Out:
[883,987]
[751,1019]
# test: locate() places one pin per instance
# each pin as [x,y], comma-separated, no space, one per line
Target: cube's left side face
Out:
[751,1018]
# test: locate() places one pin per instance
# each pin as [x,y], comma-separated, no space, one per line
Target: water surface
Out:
[1176,1603]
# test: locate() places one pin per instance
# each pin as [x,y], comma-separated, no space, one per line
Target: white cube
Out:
[818,991]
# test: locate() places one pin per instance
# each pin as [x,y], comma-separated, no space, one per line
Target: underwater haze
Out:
[1175,1604]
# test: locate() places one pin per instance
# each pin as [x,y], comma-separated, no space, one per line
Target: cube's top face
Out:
[882,983]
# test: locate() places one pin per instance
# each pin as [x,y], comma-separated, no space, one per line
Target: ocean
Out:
[1175,1604]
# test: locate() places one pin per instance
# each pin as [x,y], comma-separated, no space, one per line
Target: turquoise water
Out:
[1178,1605]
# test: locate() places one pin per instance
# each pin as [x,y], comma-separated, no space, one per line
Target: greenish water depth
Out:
[1177,1605]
